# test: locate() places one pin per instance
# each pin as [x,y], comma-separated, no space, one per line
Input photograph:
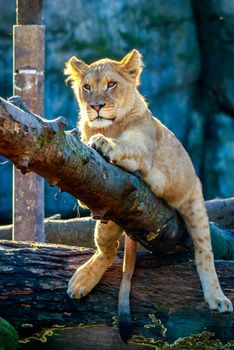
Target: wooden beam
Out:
[28,191]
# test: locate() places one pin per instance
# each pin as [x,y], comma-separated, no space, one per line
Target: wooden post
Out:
[28,190]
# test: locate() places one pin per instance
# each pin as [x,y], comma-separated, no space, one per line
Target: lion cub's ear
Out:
[75,69]
[132,65]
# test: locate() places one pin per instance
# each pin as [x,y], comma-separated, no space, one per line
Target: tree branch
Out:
[42,146]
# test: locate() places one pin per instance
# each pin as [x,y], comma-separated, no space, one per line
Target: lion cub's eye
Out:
[111,84]
[87,87]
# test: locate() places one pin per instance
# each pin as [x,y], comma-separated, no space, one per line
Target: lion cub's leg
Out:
[196,219]
[88,275]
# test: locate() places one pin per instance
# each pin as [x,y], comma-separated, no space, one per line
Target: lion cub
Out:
[116,121]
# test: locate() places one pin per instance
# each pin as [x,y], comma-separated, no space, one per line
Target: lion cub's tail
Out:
[124,314]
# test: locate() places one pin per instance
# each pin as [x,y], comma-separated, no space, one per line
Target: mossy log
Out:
[9,338]
[166,300]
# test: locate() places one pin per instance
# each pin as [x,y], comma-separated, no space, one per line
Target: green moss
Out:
[203,341]
[8,336]
[56,329]
[42,335]
[156,323]
[33,247]
[43,139]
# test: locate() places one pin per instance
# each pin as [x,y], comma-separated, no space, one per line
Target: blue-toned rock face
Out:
[216,29]
[188,79]
[219,156]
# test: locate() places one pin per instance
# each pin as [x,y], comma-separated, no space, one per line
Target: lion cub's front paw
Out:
[104,146]
[218,301]
[83,281]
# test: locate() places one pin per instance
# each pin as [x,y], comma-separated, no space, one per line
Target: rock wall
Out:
[188,79]
[215,22]
[6,66]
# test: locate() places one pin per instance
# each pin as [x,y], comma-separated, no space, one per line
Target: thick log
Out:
[167,301]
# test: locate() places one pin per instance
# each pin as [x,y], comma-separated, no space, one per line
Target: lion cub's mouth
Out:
[101,122]
[99,117]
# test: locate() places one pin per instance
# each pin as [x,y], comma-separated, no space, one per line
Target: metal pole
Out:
[28,190]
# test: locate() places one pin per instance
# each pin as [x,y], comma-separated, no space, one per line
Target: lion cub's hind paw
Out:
[222,304]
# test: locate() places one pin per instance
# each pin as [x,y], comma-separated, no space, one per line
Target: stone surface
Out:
[216,30]
[188,80]
[7,17]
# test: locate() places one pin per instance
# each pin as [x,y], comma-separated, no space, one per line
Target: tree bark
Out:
[42,146]
[221,211]
[80,231]
[166,300]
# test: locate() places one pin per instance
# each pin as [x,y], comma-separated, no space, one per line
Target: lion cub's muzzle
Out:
[97,107]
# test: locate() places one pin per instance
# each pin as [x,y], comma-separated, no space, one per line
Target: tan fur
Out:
[125,132]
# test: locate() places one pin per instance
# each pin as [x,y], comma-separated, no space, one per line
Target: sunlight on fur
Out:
[116,121]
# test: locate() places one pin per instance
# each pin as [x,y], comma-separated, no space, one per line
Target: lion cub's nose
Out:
[98,106]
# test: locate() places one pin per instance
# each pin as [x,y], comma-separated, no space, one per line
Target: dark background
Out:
[188,50]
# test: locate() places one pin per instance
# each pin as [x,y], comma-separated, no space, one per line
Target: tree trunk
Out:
[42,146]
[166,300]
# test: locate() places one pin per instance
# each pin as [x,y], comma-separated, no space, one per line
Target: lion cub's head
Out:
[105,89]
